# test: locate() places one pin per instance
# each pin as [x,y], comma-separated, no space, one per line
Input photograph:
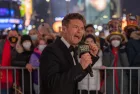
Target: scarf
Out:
[115,53]
[6,61]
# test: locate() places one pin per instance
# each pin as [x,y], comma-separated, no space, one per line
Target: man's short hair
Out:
[89,25]
[72,16]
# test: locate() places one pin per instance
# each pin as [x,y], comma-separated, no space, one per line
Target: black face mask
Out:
[13,39]
[49,41]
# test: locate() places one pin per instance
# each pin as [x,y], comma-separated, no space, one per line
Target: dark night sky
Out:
[131,6]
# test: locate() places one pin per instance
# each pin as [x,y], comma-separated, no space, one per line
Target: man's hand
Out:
[85,60]
[93,49]
[29,67]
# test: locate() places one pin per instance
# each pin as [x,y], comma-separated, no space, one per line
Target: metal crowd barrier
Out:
[129,72]
[106,69]
[15,89]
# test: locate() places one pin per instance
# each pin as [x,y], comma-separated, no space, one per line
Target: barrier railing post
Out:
[15,84]
[113,82]
[31,83]
[138,80]
[105,81]
[130,80]
[7,81]
[88,85]
[22,80]
[38,69]
[122,82]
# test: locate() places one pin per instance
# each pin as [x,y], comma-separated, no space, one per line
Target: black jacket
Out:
[133,52]
[58,75]
[20,61]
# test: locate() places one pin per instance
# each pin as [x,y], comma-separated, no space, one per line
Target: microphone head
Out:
[82,49]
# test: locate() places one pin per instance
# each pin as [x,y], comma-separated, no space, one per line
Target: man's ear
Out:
[64,29]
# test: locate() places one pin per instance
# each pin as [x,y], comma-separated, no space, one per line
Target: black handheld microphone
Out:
[82,49]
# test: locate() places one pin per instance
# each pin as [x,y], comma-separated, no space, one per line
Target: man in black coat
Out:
[59,70]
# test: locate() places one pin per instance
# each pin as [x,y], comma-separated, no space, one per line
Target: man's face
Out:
[13,34]
[13,37]
[74,31]
[89,30]
[115,26]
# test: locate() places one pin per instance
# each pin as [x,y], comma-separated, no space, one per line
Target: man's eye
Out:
[75,26]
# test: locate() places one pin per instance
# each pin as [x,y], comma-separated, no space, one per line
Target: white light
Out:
[33,26]
[68,0]
[59,18]
[20,26]
[9,28]
[14,26]
[100,28]
[97,33]
[4,20]
[95,26]
[47,0]
[105,16]
[114,16]
[42,20]
[29,27]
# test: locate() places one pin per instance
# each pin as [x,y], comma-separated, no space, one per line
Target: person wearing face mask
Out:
[91,83]
[34,61]
[115,56]
[22,60]
[34,36]
[89,29]
[7,53]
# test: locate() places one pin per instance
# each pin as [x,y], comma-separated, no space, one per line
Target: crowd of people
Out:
[62,71]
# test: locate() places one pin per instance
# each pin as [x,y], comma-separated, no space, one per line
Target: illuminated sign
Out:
[100,5]
[10,26]
[28,11]
[59,18]
[11,20]
[7,12]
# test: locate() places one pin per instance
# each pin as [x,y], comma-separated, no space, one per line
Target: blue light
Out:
[8,25]
[4,12]
[12,12]
[3,26]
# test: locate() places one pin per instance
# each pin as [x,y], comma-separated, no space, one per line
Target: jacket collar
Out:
[65,50]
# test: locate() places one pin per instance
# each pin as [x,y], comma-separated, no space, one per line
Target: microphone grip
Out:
[89,69]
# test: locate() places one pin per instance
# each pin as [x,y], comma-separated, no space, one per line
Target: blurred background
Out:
[23,15]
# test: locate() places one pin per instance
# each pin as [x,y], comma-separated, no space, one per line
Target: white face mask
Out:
[115,43]
[41,47]
[26,45]
[34,37]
